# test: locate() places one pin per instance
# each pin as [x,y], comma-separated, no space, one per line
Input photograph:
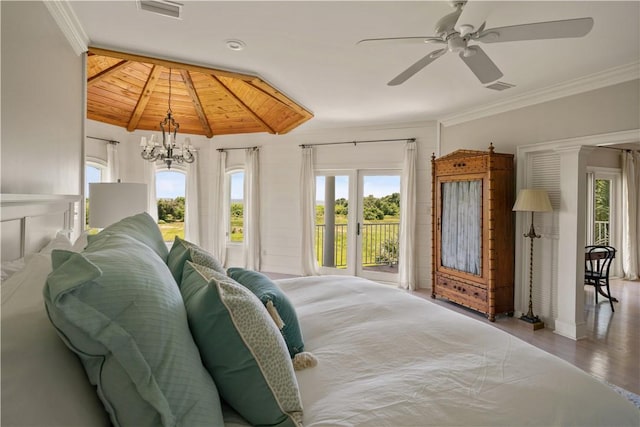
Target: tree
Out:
[237,210]
[171,210]
[602,199]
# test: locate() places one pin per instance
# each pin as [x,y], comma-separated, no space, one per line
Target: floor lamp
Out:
[530,200]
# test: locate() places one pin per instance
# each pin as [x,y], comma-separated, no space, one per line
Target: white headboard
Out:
[30,221]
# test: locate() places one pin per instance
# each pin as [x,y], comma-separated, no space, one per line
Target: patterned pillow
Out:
[241,347]
[183,251]
[118,308]
[279,306]
[141,227]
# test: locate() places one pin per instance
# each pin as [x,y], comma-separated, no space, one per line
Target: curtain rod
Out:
[255,147]
[110,141]
[628,150]
[358,142]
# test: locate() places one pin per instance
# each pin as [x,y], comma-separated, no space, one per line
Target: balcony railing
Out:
[601,236]
[379,244]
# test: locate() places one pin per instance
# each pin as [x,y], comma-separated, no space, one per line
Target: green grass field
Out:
[172,229]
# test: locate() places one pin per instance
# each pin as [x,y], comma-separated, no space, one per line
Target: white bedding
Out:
[387,358]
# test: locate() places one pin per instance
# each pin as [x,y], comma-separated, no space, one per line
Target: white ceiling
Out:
[308,50]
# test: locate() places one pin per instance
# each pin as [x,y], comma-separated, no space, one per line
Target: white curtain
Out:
[461,225]
[308,212]
[191,210]
[150,180]
[407,242]
[221,211]
[251,238]
[113,163]
[630,214]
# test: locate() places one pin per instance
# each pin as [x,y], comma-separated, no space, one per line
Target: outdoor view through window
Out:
[170,193]
[377,230]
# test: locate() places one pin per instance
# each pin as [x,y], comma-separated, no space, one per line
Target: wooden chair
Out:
[596,273]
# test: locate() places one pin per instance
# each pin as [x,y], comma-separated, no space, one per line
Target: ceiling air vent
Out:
[500,86]
[161,7]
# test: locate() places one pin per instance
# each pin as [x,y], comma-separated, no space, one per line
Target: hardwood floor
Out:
[611,350]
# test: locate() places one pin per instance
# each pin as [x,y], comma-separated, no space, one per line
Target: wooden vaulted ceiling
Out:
[132,92]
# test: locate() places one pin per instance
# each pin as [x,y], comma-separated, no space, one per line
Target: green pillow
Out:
[183,251]
[118,308]
[141,227]
[269,292]
[241,347]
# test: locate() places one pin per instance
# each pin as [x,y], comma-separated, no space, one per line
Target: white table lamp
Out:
[111,202]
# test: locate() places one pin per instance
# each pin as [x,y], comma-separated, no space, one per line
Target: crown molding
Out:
[598,140]
[69,24]
[599,80]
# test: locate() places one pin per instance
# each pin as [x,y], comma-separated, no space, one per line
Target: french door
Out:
[358,223]
[603,200]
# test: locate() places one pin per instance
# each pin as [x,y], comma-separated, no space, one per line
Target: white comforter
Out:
[387,358]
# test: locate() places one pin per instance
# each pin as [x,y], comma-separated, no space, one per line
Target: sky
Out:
[378,186]
[170,185]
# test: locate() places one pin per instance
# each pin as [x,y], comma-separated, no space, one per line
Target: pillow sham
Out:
[241,348]
[279,306]
[118,308]
[183,251]
[141,227]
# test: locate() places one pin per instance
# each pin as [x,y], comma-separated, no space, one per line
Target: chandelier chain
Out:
[169,152]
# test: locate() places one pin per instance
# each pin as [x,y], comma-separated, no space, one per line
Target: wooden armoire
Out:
[473,230]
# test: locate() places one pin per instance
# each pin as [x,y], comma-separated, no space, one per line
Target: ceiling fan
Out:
[456,31]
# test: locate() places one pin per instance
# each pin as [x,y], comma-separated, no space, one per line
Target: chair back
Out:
[598,261]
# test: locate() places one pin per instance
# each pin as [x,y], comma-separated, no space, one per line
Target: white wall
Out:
[610,109]
[42,104]
[280,170]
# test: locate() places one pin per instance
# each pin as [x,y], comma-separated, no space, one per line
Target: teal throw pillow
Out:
[183,251]
[241,348]
[142,228]
[272,296]
[118,308]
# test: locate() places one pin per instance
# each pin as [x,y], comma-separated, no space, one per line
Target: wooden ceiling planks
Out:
[132,91]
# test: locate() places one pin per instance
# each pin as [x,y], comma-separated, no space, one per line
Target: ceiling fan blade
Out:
[481,65]
[474,14]
[419,65]
[538,31]
[408,40]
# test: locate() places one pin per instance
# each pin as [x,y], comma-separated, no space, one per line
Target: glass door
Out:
[358,223]
[602,225]
[334,230]
[378,226]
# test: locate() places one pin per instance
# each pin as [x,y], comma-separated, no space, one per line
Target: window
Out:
[93,172]
[170,194]
[236,206]
[603,186]
[358,222]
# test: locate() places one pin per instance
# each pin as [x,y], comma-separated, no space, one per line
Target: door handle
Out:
[358,229]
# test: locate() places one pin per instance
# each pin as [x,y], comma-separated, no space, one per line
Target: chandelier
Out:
[170,151]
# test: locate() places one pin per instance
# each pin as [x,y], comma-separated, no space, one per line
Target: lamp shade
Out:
[110,202]
[530,200]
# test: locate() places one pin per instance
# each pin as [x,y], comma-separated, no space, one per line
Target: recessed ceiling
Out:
[308,51]
[133,92]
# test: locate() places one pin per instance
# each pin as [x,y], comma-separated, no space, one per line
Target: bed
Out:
[385,357]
